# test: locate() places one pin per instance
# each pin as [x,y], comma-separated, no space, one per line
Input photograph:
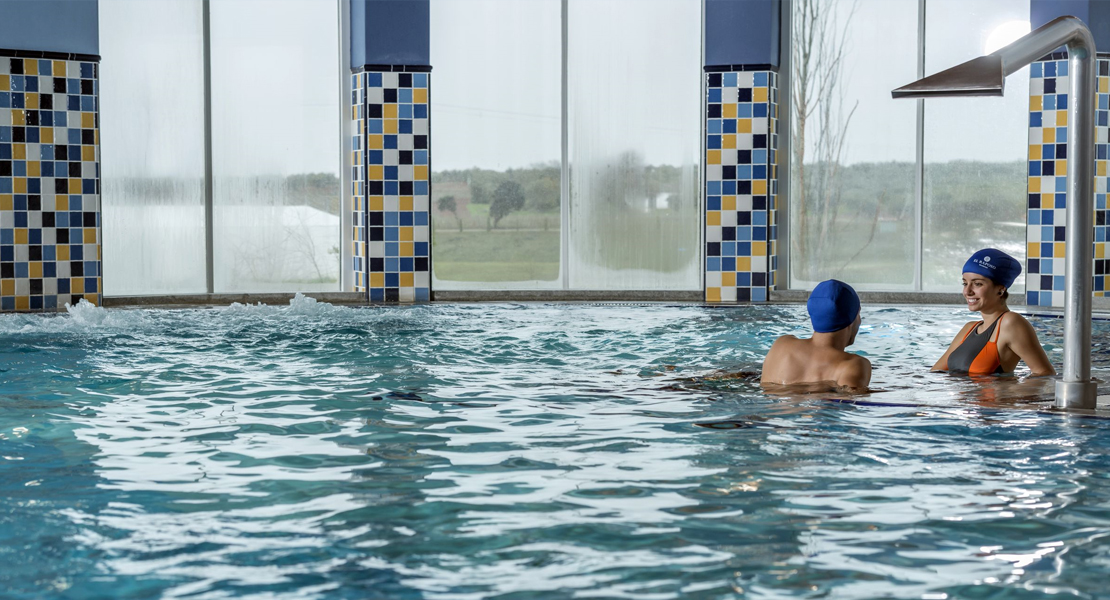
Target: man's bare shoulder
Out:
[776,365]
[854,372]
[786,340]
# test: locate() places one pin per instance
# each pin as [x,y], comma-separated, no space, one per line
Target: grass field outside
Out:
[474,217]
[496,256]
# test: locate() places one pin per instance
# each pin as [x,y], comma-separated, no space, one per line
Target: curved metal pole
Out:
[1076,390]
[985,76]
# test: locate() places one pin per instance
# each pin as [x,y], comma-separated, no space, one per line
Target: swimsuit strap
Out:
[971,331]
[998,326]
[994,334]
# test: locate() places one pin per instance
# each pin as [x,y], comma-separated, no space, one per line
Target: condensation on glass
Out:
[633,112]
[496,148]
[975,148]
[633,117]
[152,146]
[852,189]
[277,190]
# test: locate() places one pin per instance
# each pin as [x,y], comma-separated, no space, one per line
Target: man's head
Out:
[833,305]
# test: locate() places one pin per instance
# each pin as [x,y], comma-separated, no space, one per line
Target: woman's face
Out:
[980,292]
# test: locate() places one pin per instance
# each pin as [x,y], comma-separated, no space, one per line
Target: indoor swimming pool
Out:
[530,451]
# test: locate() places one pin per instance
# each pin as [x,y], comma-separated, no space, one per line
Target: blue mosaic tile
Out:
[740,185]
[392,122]
[1048,181]
[49,184]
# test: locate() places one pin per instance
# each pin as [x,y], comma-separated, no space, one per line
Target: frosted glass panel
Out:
[852,198]
[152,146]
[634,112]
[496,148]
[975,148]
[275,120]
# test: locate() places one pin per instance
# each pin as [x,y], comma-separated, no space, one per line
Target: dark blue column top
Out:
[390,32]
[55,26]
[1095,13]
[742,32]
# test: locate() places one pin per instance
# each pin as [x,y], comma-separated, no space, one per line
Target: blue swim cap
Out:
[832,305]
[995,265]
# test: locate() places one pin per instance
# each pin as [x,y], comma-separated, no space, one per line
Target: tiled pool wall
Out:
[391,184]
[49,181]
[741,188]
[358,181]
[1048,164]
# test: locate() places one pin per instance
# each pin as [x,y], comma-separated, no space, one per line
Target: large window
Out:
[152,146]
[975,148]
[496,148]
[633,116]
[566,157]
[895,194]
[852,163]
[274,146]
[275,99]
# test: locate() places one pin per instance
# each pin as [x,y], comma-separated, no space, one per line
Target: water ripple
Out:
[539,451]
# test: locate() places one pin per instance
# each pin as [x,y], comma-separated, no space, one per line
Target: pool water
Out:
[529,451]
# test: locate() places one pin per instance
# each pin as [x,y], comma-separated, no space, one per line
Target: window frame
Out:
[785,231]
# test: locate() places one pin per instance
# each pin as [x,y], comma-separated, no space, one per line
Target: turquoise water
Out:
[528,451]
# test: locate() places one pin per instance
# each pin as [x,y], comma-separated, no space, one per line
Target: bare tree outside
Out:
[820,125]
[448,204]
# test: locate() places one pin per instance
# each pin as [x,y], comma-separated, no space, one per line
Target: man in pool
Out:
[834,311]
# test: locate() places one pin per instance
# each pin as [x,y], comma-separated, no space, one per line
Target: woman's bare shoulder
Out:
[1017,325]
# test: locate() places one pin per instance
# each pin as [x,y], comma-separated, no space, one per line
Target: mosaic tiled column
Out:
[49,183]
[1047,204]
[741,189]
[391,185]
[358,180]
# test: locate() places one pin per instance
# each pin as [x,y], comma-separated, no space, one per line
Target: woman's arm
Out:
[942,364]
[1021,339]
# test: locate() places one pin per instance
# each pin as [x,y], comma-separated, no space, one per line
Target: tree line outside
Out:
[857,221]
[272,232]
[868,234]
[504,226]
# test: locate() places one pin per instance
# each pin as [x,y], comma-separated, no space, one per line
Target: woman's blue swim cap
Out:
[832,305]
[995,265]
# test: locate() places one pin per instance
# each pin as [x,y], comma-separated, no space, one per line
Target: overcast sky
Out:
[635,82]
[501,109]
[634,69]
[275,87]
[883,56]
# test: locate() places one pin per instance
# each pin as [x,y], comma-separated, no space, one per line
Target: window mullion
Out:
[919,170]
[564,171]
[206,34]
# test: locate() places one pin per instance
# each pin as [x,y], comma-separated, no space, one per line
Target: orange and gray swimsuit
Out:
[977,354]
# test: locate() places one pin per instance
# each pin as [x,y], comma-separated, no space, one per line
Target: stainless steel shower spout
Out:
[985,76]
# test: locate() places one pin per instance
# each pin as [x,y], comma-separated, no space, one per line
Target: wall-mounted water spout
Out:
[985,76]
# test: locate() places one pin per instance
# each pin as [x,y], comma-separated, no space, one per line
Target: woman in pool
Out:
[1002,339]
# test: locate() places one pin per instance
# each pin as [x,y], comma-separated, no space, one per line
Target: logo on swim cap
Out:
[985,263]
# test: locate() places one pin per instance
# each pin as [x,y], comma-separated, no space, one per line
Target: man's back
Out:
[834,311]
[792,360]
